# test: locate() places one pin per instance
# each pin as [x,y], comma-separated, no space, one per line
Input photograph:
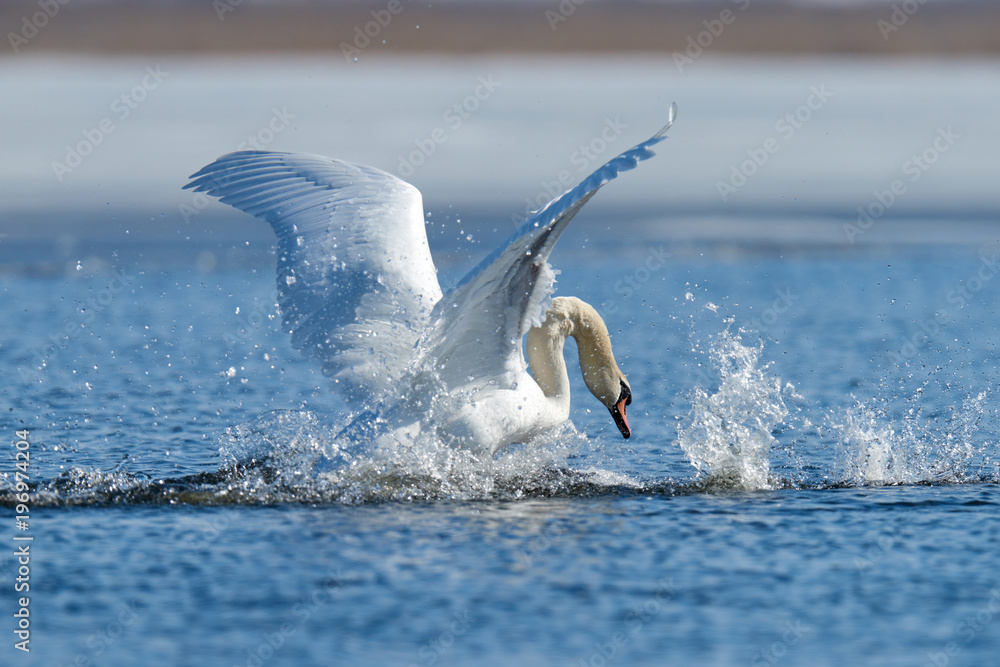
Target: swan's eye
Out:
[626,394]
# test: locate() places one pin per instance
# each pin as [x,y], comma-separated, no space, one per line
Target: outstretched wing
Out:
[356,282]
[482,321]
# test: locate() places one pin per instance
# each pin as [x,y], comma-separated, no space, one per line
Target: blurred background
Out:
[829,186]
[801,123]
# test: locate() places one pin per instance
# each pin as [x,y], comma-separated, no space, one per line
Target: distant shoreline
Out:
[397,27]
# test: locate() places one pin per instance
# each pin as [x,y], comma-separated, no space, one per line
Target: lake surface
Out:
[813,476]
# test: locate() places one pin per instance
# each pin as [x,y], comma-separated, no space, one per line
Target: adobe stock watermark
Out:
[793,633]
[877,549]
[779,307]
[121,108]
[432,651]
[208,531]
[901,13]
[301,611]
[95,305]
[453,117]
[583,158]
[223,7]
[913,169]
[278,122]
[263,312]
[958,297]
[699,43]
[542,543]
[363,35]
[562,12]
[786,127]
[970,627]
[103,639]
[630,283]
[604,652]
[32,24]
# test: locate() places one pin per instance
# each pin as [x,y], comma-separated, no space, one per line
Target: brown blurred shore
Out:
[397,27]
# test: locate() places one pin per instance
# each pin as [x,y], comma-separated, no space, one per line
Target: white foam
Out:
[912,449]
[292,455]
[727,434]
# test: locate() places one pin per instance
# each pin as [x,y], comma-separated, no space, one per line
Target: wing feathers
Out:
[353,260]
[356,283]
[496,303]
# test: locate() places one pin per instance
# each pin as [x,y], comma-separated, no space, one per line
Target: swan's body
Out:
[359,293]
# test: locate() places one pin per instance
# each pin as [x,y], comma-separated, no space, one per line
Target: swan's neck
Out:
[569,316]
[545,354]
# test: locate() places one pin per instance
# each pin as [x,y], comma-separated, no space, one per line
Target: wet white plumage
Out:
[359,294]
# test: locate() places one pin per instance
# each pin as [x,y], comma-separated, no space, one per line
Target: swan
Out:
[358,292]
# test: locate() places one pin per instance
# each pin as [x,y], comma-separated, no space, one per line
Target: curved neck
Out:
[569,316]
[545,354]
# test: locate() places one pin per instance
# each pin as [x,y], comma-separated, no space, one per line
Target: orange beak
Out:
[621,421]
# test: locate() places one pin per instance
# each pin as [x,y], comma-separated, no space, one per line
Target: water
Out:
[797,477]
[813,475]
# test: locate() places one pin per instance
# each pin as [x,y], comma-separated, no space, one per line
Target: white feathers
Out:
[353,259]
[358,289]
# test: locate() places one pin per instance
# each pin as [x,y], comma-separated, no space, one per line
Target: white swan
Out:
[359,293]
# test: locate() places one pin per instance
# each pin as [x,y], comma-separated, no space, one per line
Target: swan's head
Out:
[618,410]
[611,388]
[570,316]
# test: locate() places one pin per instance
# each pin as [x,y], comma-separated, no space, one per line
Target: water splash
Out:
[292,456]
[85,486]
[731,436]
[428,469]
[728,434]
[915,449]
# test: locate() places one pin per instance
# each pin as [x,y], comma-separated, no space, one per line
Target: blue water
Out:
[813,473]
[870,538]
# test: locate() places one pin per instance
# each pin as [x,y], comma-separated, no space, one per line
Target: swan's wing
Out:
[356,282]
[482,321]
